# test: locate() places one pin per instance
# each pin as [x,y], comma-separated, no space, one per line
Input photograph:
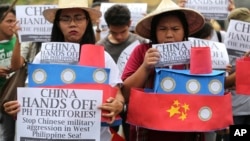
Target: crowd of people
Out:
[75,22]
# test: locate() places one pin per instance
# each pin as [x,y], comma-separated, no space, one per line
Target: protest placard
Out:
[173,53]
[219,55]
[58,114]
[60,53]
[34,27]
[211,9]
[237,38]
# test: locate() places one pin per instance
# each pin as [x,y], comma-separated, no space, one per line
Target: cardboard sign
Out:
[171,81]
[219,54]
[179,112]
[173,53]
[237,38]
[59,53]
[34,27]
[57,74]
[58,114]
[211,9]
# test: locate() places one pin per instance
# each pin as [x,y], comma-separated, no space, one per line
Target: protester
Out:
[72,22]
[169,23]
[8,43]
[7,40]
[241,103]
[118,19]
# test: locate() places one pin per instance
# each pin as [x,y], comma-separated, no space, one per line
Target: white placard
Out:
[173,53]
[60,53]
[237,38]
[137,10]
[211,9]
[58,114]
[219,55]
[34,27]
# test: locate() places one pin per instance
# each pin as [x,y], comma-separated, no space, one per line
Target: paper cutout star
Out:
[173,110]
[183,116]
[185,107]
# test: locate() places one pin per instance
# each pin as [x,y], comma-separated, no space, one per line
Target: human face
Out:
[6,26]
[169,29]
[73,23]
[118,34]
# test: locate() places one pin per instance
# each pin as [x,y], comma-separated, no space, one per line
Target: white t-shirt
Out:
[114,79]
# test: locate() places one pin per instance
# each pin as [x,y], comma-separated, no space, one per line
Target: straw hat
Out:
[49,14]
[195,19]
[242,14]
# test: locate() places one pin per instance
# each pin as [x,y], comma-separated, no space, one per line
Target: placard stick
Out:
[4,15]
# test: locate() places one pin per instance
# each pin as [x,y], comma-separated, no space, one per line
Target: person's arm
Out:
[230,80]
[17,60]
[113,104]
[137,80]
[139,73]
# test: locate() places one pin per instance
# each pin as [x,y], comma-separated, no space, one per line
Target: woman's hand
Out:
[113,108]
[151,58]
[12,108]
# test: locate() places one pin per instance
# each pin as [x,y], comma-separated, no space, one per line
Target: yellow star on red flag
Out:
[178,109]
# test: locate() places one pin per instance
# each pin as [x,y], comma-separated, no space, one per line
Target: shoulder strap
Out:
[219,35]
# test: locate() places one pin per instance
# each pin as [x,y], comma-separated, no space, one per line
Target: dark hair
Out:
[3,9]
[204,32]
[87,38]
[155,21]
[95,4]
[117,15]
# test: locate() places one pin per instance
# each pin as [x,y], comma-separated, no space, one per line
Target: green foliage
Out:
[4,2]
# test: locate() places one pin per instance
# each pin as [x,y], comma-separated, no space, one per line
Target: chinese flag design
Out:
[179,112]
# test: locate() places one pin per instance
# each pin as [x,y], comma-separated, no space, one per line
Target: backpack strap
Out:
[219,36]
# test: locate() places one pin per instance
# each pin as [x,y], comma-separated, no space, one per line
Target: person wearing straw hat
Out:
[240,102]
[72,22]
[168,23]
